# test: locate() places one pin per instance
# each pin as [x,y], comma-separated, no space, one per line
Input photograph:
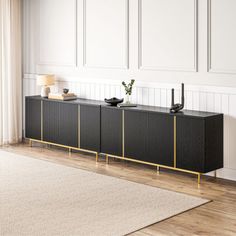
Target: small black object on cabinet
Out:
[113,101]
[176,107]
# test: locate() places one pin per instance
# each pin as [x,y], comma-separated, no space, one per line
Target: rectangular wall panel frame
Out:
[210,68]
[160,68]
[126,59]
[55,63]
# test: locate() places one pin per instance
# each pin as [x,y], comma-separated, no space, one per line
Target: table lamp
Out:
[45,81]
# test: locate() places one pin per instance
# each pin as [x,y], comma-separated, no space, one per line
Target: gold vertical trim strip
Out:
[41,120]
[78,126]
[123,133]
[174,141]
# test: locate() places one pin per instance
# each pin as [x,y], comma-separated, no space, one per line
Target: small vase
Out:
[128,99]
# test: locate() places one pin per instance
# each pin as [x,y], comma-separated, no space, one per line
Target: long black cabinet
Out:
[189,140]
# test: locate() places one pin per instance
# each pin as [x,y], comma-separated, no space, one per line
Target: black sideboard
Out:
[189,141]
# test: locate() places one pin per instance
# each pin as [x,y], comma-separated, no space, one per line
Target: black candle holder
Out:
[178,106]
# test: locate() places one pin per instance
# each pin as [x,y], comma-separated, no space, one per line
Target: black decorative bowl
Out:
[65,90]
[114,101]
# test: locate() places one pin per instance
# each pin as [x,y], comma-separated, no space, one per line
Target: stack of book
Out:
[62,96]
[126,104]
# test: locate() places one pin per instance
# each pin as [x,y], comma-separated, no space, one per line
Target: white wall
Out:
[92,45]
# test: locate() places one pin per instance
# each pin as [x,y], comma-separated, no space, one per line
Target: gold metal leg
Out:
[215,174]
[158,169]
[199,178]
[118,157]
[107,159]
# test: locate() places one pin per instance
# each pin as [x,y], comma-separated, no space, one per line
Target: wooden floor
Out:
[215,218]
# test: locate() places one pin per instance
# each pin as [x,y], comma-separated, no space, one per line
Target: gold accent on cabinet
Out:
[175,142]
[156,165]
[64,146]
[123,133]
[123,147]
[199,178]
[117,157]
[41,120]
[107,159]
[78,126]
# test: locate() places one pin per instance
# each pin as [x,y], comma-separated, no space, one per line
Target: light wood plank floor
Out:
[215,218]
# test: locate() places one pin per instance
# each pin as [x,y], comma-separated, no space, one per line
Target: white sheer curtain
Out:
[10,72]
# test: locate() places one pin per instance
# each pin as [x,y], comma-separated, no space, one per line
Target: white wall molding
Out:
[147,84]
[141,65]
[55,63]
[126,39]
[211,67]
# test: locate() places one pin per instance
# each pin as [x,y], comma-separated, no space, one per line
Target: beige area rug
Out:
[42,198]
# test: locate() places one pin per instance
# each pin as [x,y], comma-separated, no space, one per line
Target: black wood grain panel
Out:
[136,131]
[33,118]
[214,143]
[190,144]
[111,131]
[60,123]
[161,139]
[90,127]
[51,121]
[68,125]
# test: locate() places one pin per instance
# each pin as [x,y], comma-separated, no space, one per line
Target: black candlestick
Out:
[177,107]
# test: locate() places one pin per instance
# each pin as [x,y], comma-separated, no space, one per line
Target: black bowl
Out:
[114,101]
[65,90]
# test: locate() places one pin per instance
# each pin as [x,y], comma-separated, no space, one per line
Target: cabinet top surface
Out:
[75,101]
[164,110]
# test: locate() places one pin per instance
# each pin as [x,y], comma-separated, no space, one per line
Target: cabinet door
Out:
[111,131]
[60,123]
[90,127]
[135,135]
[161,139]
[51,121]
[68,124]
[190,144]
[33,118]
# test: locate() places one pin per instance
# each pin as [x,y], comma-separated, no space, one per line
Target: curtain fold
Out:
[10,72]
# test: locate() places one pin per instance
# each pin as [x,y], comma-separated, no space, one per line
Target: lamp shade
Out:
[45,80]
